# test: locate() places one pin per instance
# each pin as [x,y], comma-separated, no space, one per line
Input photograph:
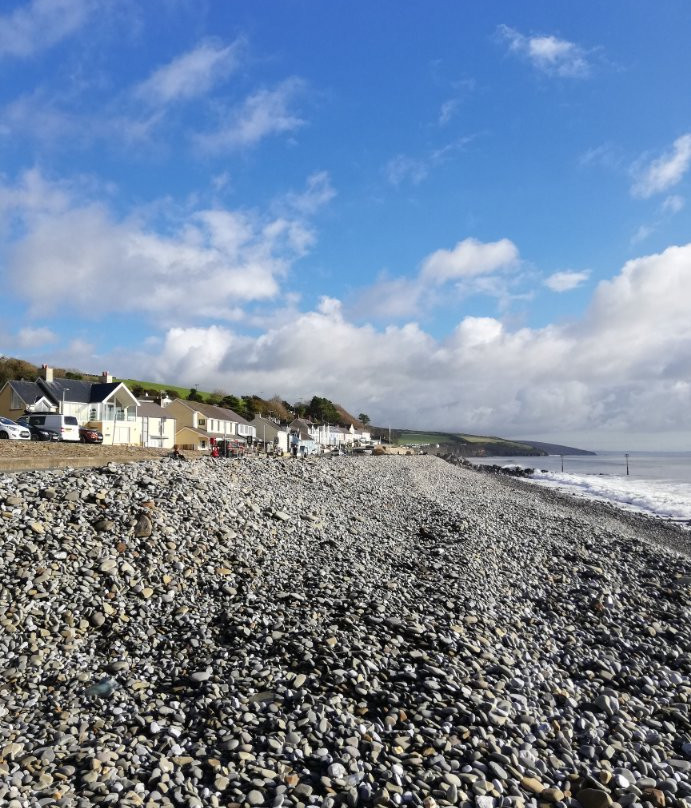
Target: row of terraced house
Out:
[122,418]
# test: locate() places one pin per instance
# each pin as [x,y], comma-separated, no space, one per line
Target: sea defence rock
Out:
[335,632]
[507,468]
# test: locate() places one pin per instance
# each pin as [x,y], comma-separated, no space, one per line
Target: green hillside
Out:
[181,392]
[464,444]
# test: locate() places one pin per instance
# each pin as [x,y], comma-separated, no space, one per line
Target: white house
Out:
[105,405]
[157,426]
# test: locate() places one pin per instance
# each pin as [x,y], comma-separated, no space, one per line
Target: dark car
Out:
[89,435]
[43,433]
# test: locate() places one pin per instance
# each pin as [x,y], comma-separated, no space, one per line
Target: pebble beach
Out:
[336,632]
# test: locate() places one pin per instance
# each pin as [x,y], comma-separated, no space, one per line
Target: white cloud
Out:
[550,55]
[468,258]
[472,267]
[191,74]
[318,192]
[448,110]
[207,262]
[401,168]
[643,232]
[567,280]
[623,367]
[663,172]
[29,337]
[39,24]
[673,204]
[264,113]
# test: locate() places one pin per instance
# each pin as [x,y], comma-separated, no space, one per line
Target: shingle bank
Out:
[352,631]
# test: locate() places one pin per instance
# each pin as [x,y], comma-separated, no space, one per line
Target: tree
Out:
[194,395]
[250,407]
[232,403]
[321,409]
[364,419]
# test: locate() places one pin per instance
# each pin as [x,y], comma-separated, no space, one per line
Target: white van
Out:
[66,426]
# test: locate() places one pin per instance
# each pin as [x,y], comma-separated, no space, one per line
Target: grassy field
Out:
[426,438]
[493,440]
[182,392]
[482,442]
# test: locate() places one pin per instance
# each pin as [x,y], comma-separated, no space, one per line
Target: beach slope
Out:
[343,631]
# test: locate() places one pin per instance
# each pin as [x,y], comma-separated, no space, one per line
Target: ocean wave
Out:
[665,498]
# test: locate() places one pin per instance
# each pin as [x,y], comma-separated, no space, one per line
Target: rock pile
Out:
[489,468]
[335,632]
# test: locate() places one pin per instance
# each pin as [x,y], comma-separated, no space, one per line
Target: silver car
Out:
[11,430]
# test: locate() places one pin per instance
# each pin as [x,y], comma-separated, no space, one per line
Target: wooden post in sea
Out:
[562,462]
[627,463]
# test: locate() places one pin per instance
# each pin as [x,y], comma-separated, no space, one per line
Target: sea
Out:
[656,483]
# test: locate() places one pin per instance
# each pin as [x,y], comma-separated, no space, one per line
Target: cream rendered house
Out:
[270,433]
[197,423]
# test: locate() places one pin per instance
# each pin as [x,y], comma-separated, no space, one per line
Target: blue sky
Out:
[455,215]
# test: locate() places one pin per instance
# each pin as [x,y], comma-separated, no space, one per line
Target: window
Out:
[16,403]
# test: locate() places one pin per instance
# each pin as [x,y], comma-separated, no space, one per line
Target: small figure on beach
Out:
[176,454]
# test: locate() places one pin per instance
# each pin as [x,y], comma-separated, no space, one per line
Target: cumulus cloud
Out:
[207,262]
[40,24]
[191,74]
[550,55]
[264,113]
[468,258]
[618,368]
[471,267]
[663,172]
[567,280]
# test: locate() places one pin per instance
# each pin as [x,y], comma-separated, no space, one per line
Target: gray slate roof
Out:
[75,390]
[212,411]
[29,392]
[150,410]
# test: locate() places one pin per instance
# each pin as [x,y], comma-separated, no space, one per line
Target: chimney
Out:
[47,373]
[106,378]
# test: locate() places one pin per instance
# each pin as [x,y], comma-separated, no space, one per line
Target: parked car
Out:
[11,430]
[43,433]
[89,435]
[66,426]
